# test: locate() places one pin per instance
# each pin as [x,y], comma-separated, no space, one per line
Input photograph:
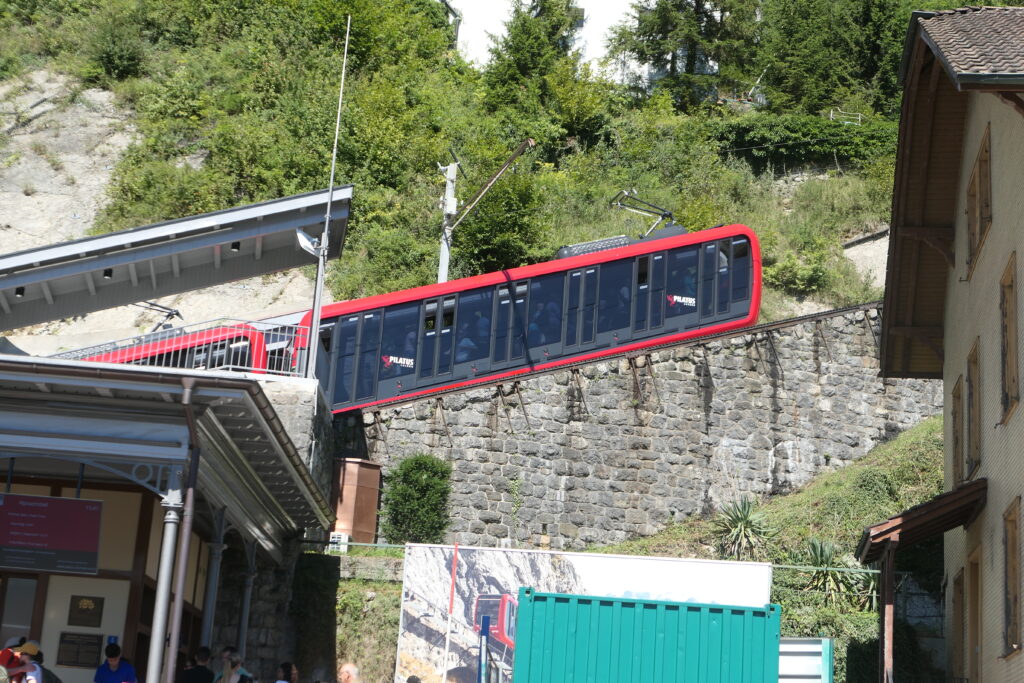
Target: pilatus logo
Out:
[684,300]
[397,360]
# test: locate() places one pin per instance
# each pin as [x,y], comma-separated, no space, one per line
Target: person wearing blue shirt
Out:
[115,669]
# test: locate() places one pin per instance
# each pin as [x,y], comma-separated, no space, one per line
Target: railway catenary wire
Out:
[435,395]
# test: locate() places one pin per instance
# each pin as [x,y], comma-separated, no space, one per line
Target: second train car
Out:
[500,325]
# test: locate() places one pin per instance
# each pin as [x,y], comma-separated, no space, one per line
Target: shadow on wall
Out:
[314,596]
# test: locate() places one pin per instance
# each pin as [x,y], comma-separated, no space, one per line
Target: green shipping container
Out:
[582,638]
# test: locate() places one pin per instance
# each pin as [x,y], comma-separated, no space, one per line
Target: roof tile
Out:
[978,40]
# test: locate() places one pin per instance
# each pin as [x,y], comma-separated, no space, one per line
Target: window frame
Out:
[1009,395]
[973,412]
[956,416]
[1011,579]
[979,201]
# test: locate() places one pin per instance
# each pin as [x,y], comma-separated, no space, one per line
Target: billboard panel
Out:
[49,534]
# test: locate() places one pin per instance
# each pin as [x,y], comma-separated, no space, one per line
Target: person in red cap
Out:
[12,667]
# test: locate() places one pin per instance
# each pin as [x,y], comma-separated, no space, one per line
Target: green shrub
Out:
[742,530]
[415,500]
[115,48]
[798,275]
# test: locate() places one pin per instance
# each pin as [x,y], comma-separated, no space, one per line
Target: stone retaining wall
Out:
[620,450]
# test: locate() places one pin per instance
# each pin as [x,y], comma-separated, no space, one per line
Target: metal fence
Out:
[224,344]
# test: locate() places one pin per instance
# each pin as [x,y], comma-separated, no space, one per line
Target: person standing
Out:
[233,671]
[287,673]
[201,672]
[28,651]
[115,669]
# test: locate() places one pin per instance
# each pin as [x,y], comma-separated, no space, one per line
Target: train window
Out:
[398,345]
[344,371]
[501,324]
[589,304]
[724,273]
[519,324]
[369,348]
[447,343]
[428,343]
[643,265]
[545,326]
[615,295]
[473,337]
[708,268]
[681,284]
[573,313]
[657,289]
[740,269]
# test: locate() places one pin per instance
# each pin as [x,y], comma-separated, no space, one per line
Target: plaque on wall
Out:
[80,649]
[85,610]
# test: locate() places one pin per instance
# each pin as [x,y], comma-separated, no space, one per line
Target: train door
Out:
[368,355]
[580,313]
[343,345]
[614,303]
[398,350]
[511,319]
[437,335]
[725,280]
[649,295]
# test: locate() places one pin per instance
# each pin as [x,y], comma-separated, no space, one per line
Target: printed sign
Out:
[684,300]
[447,588]
[397,361]
[80,649]
[49,534]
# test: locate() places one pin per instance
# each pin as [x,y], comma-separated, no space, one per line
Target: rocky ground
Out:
[59,143]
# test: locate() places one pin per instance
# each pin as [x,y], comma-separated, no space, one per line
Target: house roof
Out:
[946,54]
[940,514]
[978,45]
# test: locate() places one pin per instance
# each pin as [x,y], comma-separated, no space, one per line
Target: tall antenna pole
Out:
[313,343]
[450,207]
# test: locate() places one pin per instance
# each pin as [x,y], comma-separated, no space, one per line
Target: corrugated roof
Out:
[978,45]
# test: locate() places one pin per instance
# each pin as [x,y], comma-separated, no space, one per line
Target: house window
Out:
[1008,308]
[956,416]
[979,202]
[973,413]
[1011,575]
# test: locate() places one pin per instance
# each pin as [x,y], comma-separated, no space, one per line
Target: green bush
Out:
[415,500]
[115,48]
[798,275]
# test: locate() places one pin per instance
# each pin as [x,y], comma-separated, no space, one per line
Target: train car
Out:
[229,347]
[500,325]
[502,611]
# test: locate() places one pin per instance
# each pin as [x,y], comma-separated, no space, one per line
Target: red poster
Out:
[49,534]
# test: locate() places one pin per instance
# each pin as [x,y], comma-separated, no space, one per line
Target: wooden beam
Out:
[916,331]
[939,238]
[924,165]
[1014,100]
[887,585]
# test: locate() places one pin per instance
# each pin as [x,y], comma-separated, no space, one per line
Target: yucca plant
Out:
[742,530]
[825,580]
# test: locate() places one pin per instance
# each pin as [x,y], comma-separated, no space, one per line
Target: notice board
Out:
[43,534]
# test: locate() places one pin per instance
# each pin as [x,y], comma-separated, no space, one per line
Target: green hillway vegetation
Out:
[234,102]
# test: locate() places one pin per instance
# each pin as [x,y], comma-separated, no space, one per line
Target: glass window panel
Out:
[369,349]
[615,295]
[573,314]
[344,371]
[642,292]
[447,337]
[740,269]
[19,601]
[724,273]
[473,337]
[502,325]
[709,266]
[519,313]
[589,304]
[681,282]
[545,326]
[428,345]
[657,289]
[398,343]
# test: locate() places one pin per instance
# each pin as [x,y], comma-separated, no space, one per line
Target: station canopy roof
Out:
[96,273]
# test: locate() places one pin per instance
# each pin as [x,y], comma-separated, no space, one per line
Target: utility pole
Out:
[449,207]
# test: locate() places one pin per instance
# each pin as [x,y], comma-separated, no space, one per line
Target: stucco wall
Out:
[972,312]
[608,455]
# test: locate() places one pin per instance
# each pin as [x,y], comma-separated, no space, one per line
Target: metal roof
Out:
[95,273]
[128,422]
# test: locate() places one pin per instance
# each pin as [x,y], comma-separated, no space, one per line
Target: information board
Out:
[44,534]
[80,649]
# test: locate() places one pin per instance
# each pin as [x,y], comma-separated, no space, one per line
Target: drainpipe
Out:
[216,547]
[172,504]
[181,570]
